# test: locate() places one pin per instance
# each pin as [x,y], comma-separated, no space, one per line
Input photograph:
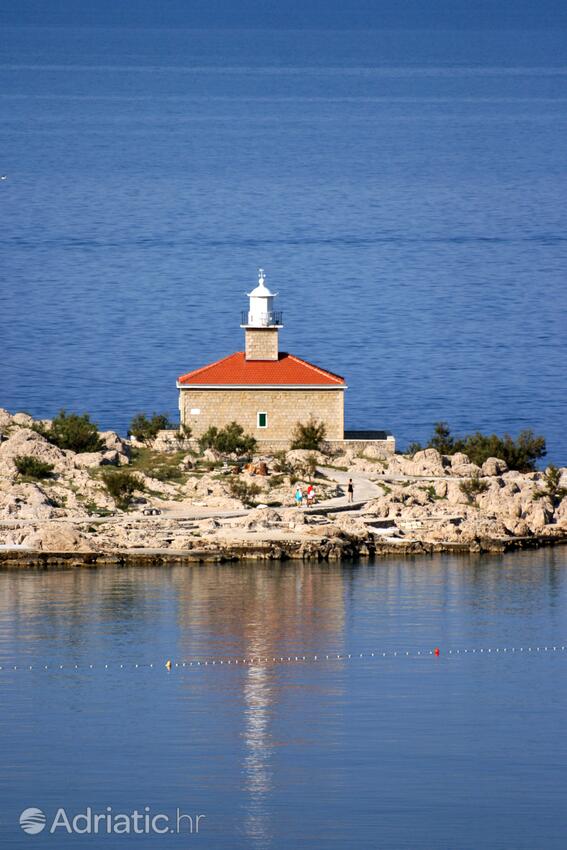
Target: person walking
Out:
[350,490]
[310,495]
[298,497]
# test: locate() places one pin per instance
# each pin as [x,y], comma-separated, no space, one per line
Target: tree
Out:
[228,440]
[243,491]
[309,435]
[31,467]
[145,429]
[121,485]
[442,439]
[72,431]
[552,486]
[520,454]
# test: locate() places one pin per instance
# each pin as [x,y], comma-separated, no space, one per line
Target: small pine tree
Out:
[31,467]
[243,491]
[552,486]
[442,439]
[309,435]
[228,440]
[72,431]
[121,485]
[145,429]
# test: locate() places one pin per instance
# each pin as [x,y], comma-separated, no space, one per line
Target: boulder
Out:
[494,466]
[24,441]
[23,419]
[261,518]
[85,460]
[465,470]
[298,457]
[427,462]
[58,537]
[376,453]
[5,419]
[114,443]
[458,459]
[210,524]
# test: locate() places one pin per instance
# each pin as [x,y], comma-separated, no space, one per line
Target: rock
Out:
[5,419]
[212,455]
[298,458]
[261,518]
[58,537]
[23,419]
[494,466]
[24,441]
[208,524]
[427,462]
[376,453]
[465,470]
[537,516]
[459,459]
[297,519]
[114,443]
[85,460]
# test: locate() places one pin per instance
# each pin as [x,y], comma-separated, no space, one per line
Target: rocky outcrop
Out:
[424,503]
[58,537]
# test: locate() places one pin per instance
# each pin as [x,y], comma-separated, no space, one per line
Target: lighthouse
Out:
[261,323]
[265,390]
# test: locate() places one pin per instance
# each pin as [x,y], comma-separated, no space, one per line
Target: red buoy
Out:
[437,651]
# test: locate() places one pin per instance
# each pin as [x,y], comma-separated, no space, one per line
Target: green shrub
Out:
[309,467]
[276,481]
[71,431]
[243,491]
[228,440]
[520,454]
[281,463]
[145,429]
[31,467]
[473,487]
[121,485]
[168,473]
[552,489]
[308,435]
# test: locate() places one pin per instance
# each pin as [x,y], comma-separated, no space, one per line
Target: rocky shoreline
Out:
[266,551]
[191,508]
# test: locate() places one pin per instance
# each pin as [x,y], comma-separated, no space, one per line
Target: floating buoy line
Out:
[270,660]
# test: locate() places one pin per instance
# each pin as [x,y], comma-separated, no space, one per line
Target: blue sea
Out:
[405,191]
[368,749]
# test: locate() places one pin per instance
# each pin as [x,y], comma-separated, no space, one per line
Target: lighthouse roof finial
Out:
[262,290]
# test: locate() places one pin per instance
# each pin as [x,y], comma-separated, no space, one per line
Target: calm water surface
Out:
[406,192]
[461,752]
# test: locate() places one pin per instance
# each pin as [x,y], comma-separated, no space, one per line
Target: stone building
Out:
[264,389]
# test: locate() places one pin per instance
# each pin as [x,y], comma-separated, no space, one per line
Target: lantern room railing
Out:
[262,320]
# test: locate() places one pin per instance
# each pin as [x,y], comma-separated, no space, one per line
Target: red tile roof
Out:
[288,370]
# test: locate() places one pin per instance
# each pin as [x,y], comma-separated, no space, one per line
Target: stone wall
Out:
[261,343]
[284,407]
[171,441]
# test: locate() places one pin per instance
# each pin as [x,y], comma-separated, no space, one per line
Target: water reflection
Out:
[253,742]
[257,768]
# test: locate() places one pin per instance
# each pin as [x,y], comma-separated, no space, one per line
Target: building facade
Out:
[265,390]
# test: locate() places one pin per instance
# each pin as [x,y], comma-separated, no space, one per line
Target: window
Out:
[262,420]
